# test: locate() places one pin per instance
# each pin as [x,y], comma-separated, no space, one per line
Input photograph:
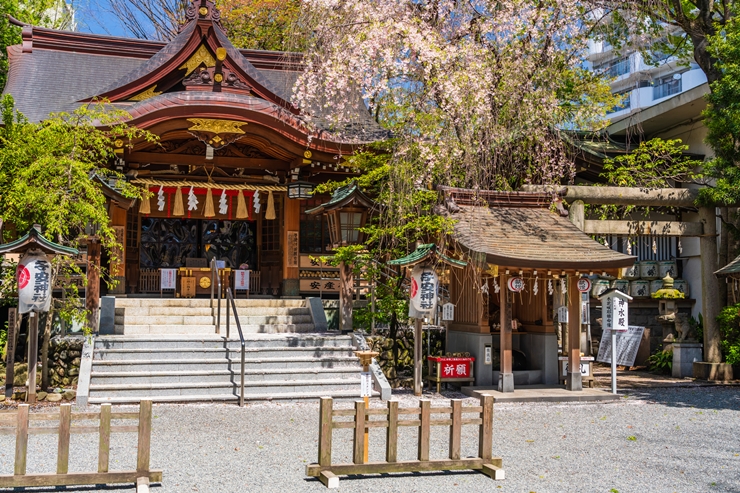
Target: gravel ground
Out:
[653,440]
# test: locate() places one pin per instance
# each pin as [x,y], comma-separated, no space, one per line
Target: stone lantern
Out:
[686,350]
[347,212]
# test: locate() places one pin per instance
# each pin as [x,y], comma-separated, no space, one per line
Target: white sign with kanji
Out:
[448,312]
[241,280]
[366,384]
[614,311]
[424,289]
[168,279]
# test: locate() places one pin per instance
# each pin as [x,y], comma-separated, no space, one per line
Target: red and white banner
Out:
[241,280]
[34,284]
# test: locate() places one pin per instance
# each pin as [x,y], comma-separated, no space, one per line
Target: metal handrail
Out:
[216,282]
[230,301]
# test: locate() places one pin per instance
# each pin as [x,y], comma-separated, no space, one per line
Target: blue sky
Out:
[94,16]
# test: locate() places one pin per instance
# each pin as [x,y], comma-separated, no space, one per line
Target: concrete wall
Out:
[461,342]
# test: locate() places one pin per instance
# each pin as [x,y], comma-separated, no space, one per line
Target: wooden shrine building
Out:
[524,260]
[233,149]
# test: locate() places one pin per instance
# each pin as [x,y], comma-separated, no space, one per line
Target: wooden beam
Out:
[77,478]
[506,374]
[673,197]
[638,228]
[196,160]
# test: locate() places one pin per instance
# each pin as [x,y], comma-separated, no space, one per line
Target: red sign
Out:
[453,367]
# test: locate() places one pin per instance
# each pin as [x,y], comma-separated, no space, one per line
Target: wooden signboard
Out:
[309,261]
[293,254]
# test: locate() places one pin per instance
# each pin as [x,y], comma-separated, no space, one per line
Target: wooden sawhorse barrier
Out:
[16,423]
[328,473]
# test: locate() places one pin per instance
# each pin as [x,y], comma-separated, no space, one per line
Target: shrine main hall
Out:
[231,174]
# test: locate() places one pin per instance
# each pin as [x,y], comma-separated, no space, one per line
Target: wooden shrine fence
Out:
[17,423]
[328,473]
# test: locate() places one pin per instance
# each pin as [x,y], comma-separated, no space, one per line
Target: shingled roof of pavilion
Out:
[518,230]
[57,71]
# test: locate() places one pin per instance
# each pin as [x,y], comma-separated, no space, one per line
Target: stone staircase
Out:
[196,369]
[196,316]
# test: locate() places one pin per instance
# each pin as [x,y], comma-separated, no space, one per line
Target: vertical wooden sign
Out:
[293,254]
[10,350]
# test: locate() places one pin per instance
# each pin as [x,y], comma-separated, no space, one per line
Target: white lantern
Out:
[34,284]
[424,289]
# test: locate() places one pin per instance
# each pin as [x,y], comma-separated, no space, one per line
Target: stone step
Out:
[261,311]
[168,320]
[162,302]
[212,353]
[276,328]
[271,387]
[274,319]
[204,364]
[286,396]
[181,329]
[141,377]
[201,302]
[215,341]
[165,310]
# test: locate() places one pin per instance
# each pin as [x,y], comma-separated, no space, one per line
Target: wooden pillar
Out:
[506,374]
[118,260]
[346,282]
[92,291]
[573,379]
[711,301]
[33,355]
[417,357]
[291,241]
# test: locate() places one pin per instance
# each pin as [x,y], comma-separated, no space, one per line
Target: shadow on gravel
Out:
[354,477]
[85,489]
[698,397]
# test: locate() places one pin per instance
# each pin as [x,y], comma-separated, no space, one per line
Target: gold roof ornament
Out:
[201,56]
[149,93]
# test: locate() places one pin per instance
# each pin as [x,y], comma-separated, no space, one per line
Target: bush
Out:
[661,361]
[729,328]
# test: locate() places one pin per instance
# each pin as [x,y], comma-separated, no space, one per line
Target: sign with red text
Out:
[241,280]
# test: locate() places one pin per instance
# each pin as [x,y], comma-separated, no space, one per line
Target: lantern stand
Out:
[34,244]
[424,254]
[347,212]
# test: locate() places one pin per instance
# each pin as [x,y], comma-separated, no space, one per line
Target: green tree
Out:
[54,14]
[722,117]
[262,24]
[48,176]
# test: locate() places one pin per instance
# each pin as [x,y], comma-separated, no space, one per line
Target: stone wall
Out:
[64,361]
[402,374]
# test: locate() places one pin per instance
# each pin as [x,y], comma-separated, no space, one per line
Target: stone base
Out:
[712,371]
[506,382]
[574,381]
[685,354]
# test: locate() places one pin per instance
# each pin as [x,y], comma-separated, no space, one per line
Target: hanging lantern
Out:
[300,190]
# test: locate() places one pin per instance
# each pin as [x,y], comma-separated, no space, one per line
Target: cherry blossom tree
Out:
[475,92]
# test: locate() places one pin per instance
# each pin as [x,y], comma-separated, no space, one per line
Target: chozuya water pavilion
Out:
[234,162]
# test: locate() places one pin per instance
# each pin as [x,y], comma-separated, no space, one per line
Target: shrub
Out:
[729,328]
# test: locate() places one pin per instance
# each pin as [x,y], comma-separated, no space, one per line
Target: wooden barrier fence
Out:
[328,473]
[17,423]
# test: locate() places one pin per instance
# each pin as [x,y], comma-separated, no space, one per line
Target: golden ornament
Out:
[205,282]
